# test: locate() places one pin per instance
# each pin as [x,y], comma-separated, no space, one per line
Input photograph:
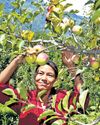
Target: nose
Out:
[44,77]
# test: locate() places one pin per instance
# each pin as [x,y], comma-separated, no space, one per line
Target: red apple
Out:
[42,58]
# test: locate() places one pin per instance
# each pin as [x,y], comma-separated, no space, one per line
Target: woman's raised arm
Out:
[6,74]
[67,58]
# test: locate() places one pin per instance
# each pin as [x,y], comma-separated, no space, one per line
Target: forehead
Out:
[46,68]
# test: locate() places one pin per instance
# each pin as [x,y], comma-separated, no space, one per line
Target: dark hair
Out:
[52,65]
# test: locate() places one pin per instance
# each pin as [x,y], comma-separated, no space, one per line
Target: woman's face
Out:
[45,77]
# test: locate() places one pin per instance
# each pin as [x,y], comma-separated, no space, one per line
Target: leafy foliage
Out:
[16,33]
[8,116]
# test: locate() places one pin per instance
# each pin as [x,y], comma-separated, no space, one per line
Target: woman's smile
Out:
[45,77]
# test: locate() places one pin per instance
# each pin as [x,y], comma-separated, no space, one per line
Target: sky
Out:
[79,5]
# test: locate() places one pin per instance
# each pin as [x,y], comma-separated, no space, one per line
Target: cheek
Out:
[37,77]
[51,81]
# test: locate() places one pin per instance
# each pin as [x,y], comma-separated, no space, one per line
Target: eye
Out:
[40,73]
[51,75]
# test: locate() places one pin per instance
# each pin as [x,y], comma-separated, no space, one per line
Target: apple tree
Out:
[61,31]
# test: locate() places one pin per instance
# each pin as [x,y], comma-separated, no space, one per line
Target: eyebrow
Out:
[51,73]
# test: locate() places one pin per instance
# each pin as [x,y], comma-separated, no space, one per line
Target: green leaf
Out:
[96,15]
[1,6]
[51,118]
[68,5]
[66,100]
[15,4]
[82,98]
[73,11]
[21,44]
[74,100]
[4,109]
[58,122]
[60,106]
[36,4]
[48,112]
[22,90]
[97,4]
[41,93]
[53,101]
[1,13]
[11,101]
[10,92]
[37,12]
[28,107]
[2,37]
[71,108]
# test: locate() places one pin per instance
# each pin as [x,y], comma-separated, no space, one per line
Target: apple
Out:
[68,22]
[63,26]
[57,9]
[77,29]
[54,2]
[97,78]
[71,23]
[97,21]
[94,63]
[30,58]
[42,58]
[38,48]
[54,19]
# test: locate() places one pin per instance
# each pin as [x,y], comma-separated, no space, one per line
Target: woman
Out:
[45,77]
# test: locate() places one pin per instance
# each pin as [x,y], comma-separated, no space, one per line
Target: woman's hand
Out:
[19,59]
[67,58]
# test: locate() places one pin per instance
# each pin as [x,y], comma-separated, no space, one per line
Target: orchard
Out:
[60,31]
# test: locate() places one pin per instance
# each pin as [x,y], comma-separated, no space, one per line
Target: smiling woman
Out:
[45,77]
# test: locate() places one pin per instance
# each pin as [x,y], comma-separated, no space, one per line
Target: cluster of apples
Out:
[55,18]
[36,55]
